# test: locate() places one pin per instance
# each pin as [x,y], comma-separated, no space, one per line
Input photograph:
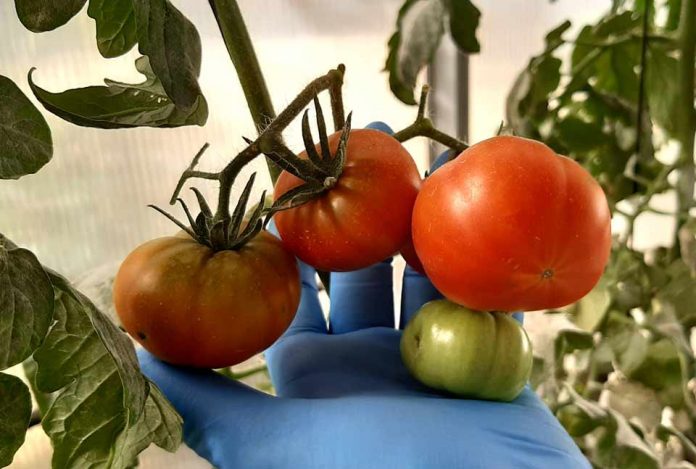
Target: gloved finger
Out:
[204,398]
[362,298]
[416,290]
[309,317]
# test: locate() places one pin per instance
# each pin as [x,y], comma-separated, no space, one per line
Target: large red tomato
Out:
[510,225]
[190,305]
[365,217]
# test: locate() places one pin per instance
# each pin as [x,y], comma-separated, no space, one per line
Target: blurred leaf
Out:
[15,412]
[116,28]
[620,446]
[121,105]
[43,15]
[464,19]
[661,370]
[100,395]
[419,28]
[528,99]
[568,341]
[539,372]
[26,145]
[627,341]
[664,432]
[678,297]
[555,37]
[580,416]
[26,304]
[662,89]
[579,134]
[687,243]
[589,312]
[173,46]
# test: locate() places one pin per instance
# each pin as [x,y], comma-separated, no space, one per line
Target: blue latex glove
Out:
[346,400]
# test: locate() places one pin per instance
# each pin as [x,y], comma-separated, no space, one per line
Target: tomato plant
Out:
[364,217]
[510,225]
[190,305]
[469,353]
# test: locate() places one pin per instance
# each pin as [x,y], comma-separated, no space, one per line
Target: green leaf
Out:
[580,135]
[628,342]
[26,304]
[678,297]
[589,312]
[99,391]
[15,412]
[419,28]
[116,28]
[159,424]
[687,243]
[121,105]
[463,20]
[662,89]
[25,138]
[569,340]
[41,15]
[555,37]
[578,415]
[173,46]
[621,446]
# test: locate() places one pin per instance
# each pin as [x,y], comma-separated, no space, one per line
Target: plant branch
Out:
[685,113]
[241,50]
[423,127]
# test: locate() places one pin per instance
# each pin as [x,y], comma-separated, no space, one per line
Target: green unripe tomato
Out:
[468,353]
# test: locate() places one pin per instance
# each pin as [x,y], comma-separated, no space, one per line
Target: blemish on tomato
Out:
[142,335]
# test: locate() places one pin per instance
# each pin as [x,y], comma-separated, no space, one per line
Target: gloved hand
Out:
[345,398]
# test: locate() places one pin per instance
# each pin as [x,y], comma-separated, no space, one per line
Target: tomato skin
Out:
[189,305]
[408,252]
[510,225]
[469,353]
[365,217]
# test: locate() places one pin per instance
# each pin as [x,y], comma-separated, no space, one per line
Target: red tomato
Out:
[510,225]
[190,305]
[408,252]
[365,217]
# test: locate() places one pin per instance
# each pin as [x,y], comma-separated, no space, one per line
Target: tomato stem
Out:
[423,127]
[241,50]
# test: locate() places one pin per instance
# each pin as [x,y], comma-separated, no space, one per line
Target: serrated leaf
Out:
[419,28]
[99,391]
[116,28]
[15,412]
[173,46]
[463,22]
[159,424]
[25,138]
[121,105]
[26,304]
[41,15]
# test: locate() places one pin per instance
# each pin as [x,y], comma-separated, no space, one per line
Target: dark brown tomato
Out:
[190,305]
